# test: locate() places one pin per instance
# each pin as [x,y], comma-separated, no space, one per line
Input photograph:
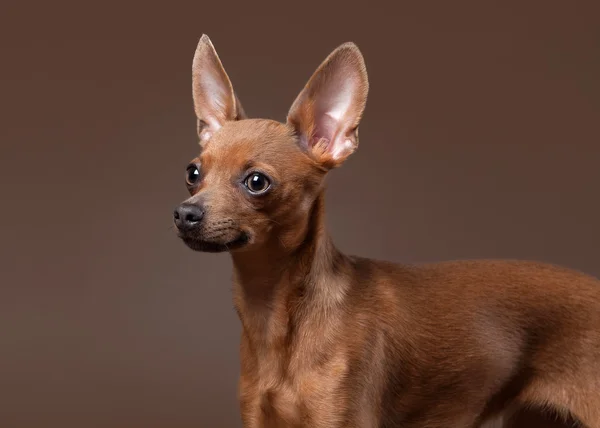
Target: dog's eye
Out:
[257,183]
[192,175]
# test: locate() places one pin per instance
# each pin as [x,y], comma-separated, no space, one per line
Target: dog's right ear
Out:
[215,101]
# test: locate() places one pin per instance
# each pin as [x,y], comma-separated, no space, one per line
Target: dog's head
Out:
[255,180]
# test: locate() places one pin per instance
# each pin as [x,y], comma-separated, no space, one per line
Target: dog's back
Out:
[482,335]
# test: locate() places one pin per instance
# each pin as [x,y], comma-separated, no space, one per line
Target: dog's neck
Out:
[310,272]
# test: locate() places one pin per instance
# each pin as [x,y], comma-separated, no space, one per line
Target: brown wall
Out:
[481,139]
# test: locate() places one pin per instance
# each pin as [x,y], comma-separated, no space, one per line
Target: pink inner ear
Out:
[205,135]
[332,118]
[214,99]
[325,129]
[327,111]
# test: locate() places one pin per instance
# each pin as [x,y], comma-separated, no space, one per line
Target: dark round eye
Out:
[257,183]
[192,175]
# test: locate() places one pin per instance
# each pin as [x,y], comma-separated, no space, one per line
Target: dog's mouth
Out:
[197,244]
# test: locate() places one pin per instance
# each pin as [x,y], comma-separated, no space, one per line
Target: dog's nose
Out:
[187,216]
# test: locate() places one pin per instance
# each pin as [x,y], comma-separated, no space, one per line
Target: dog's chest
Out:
[291,390]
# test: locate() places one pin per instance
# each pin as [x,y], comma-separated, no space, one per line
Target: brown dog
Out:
[331,340]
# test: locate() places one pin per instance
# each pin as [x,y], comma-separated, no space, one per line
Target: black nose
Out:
[187,216]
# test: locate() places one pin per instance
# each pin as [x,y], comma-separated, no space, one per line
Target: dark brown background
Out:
[481,139]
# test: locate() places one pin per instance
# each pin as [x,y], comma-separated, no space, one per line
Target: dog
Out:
[333,340]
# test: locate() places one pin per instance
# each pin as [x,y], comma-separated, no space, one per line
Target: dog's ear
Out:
[327,112]
[215,101]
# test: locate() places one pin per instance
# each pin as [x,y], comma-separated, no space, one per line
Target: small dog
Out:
[331,340]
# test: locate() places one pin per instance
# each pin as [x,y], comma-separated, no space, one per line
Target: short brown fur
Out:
[331,340]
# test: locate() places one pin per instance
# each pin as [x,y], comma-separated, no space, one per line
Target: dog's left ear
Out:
[215,101]
[327,112]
